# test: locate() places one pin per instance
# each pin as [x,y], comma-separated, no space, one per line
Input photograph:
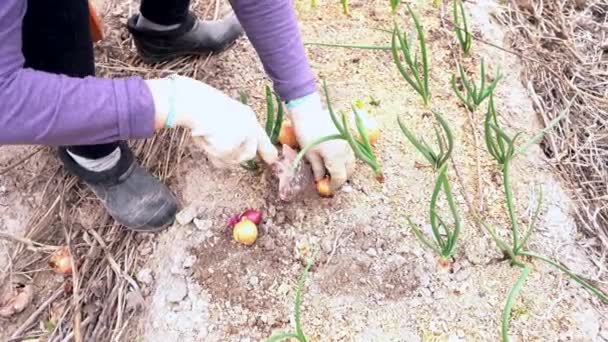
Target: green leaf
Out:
[506,314]
[269,111]
[279,122]
[532,225]
[601,295]
[424,150]
[281,337]
[418,233]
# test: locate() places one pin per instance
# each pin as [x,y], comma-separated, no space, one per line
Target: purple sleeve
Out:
[272,28]
[43,108]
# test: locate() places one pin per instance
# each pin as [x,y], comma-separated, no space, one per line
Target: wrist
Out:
[305,105]
[164,92]
[160,97]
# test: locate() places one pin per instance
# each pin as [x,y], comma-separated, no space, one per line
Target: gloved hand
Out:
[226,129]
[311,122]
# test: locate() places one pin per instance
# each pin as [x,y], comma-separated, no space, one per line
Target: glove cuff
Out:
[303,101]
[304,106]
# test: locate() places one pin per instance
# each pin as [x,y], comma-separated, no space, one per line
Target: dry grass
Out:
[566,43]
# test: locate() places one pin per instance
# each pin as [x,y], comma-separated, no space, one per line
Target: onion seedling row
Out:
[445,237]
[474,94]
[462,33]
[299,333]
[417,72]
[502,148]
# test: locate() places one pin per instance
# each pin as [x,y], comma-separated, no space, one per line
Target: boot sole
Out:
[152,58]
[151,229]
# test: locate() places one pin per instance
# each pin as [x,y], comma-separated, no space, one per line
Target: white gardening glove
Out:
[311,122]
[226,129]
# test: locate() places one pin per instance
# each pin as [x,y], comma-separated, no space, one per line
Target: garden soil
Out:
[372,279]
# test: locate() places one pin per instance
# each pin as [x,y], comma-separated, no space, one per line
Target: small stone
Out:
[189,261]
[280,218]
[371,252]
[462,275]
[178,290]
[145,251]
[2,189]
[396,260]
[364,261]
[604,334]
[203,224]
[439,294]
[202,333]
[177,270]
[347,189]
[144,276]
[460,333]
[134,300]
[254,281]
[272,210]
[327,245]
[186,216]
[267,243]
[184,305]
[588,324]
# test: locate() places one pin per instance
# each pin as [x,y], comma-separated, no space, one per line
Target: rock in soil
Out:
[186,216]
[189,261]
[178,290]
[327,245]
[203,224]
[145,276]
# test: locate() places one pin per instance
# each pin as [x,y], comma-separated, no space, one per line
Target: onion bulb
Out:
[324,187]
[245,232]
[287,135]
[252,215]
[370,125]
[61,261]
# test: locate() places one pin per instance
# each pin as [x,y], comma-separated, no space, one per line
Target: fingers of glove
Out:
[247,150]
[351,162]
[337,170]
[265,148]
[318,167]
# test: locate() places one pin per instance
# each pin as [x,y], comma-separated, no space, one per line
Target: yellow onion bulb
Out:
[245,232]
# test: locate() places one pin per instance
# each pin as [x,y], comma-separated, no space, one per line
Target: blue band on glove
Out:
[297,102]
[171,114]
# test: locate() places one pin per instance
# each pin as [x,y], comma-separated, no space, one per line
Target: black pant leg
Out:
[56,39]
[165,12]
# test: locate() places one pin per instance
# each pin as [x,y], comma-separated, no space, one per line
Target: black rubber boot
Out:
[132,196]
[193,37]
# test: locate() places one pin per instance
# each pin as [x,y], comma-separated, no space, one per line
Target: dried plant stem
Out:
[34,316]
[21,161]
[30,244]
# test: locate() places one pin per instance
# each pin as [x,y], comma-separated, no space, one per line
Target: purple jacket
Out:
[48,109]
